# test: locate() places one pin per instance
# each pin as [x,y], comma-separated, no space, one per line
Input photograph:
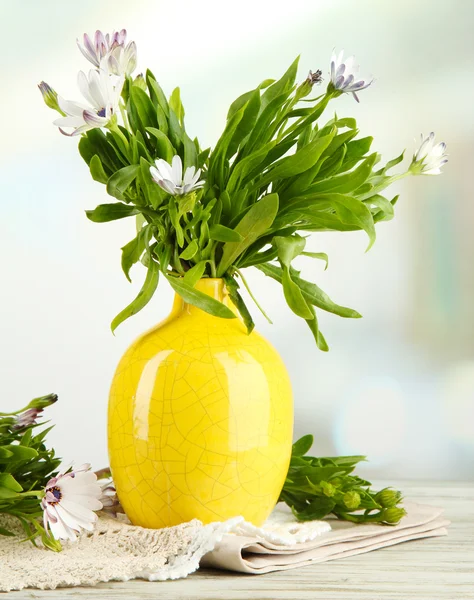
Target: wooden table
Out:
[432,569]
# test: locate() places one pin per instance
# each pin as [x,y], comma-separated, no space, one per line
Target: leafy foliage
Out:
[26,465]
[317,487]
[274,175]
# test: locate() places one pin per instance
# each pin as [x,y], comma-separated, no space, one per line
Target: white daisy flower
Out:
[69,502]
[101,45]
[429,158]
[170,177]
[102,92]
[122,60]
[343,75]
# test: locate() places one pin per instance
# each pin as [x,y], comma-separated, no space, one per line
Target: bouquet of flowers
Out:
[274,175]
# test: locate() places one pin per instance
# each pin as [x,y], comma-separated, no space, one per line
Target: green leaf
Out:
[391,163]
[17,452]
[299,162]
[385,206]
[97,170]
[120,180]
[176,132]
[254,224]
[294,298]
[190,250]
[199,299]
[314,327]
[242,168]
[96,142]
[156,93]
[190,152]
[144,295]
[195,273]
[288,247]
[6,532]
[311,292]
[176,105]
[319,256]
[220,233]
[303,445]
[111,212]
[357,148]
[233,291]
[246,123]
[132,252]
[316,509]
[346,182]
[284,84]
[354,212]
[218,157]
[152,191]
[164,148]
[144,107]
[264,130]
[9,482]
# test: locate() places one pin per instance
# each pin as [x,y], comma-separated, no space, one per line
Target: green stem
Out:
[252,296]
[123,112]
[212,261]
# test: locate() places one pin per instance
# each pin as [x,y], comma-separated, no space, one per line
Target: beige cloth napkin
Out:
[249,554]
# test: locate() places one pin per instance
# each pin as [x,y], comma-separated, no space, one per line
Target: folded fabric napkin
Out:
[116,550]
[257,554]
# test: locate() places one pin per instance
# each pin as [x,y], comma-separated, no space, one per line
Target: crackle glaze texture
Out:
[200,420]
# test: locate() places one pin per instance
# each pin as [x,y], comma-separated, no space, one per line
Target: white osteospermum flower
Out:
[122,60]
[343,75]
[69,502]
[98,47]
[102,92]
[170,177]
[429,158]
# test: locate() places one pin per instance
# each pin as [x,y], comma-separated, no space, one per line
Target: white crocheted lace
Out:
[118,551]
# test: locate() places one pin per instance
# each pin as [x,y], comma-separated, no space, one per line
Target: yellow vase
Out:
[200,420]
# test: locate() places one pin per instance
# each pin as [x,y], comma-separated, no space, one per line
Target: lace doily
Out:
[117,550]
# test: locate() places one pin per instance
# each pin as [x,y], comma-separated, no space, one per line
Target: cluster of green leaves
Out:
[26,465]
[317,487]
[273,176]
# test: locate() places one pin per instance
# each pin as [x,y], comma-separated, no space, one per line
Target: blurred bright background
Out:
[398,384]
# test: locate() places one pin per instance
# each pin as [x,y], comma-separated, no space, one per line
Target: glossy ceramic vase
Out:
[200,420]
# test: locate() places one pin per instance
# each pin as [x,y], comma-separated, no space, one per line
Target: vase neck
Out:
[215,288]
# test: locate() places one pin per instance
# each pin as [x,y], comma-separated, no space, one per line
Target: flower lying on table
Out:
[32,490]
[69,501]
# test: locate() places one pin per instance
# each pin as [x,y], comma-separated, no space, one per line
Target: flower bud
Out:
[43,401]
[388,498]
[50,96]
[328,489]
[393,515]
[352,500]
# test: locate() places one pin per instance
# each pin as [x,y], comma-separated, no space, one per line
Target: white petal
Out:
[99,95]
[164,169]
[71,108]
[69,122]
[83,84]
[189,175]
[168,186]
[60,530]
[177,168]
